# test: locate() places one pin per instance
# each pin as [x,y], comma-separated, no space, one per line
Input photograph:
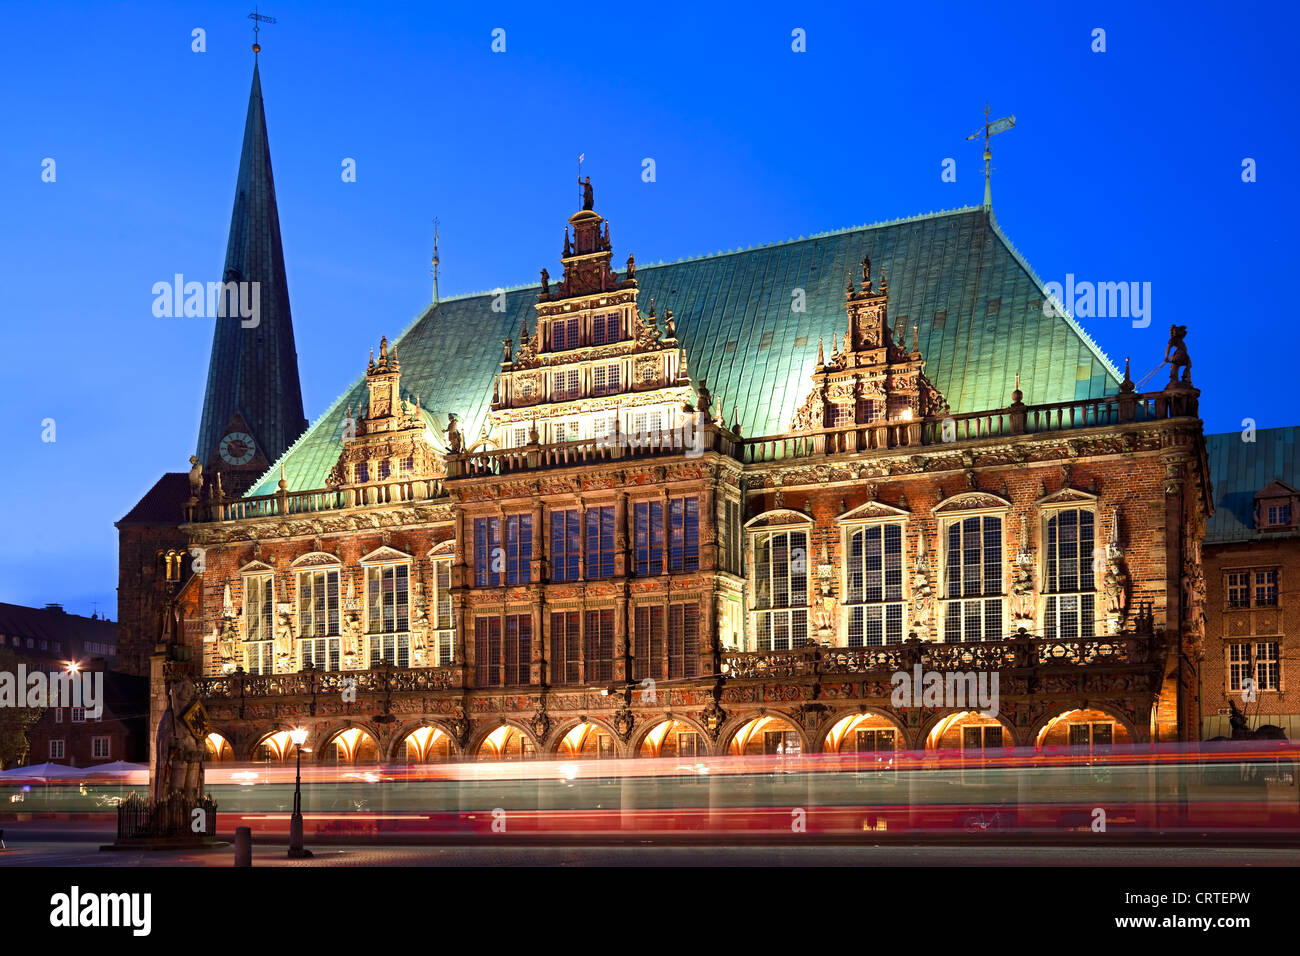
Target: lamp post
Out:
[299,737]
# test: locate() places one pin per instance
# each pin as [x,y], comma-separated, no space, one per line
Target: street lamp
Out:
[299,737]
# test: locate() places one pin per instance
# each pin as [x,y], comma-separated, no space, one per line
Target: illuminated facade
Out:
[567,546]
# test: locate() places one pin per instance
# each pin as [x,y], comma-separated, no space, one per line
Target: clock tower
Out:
[252,409]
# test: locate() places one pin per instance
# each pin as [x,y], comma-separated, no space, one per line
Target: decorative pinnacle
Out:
[1017,395]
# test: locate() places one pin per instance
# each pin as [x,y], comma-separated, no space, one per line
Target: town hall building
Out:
[682,509]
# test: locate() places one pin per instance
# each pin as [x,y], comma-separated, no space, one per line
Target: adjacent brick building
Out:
[54,641]
[1252,566]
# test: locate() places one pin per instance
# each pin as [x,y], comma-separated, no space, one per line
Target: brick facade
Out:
[735,568]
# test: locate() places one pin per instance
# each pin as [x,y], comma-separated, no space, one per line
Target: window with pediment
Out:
[780,586]
[973,579]
[1069,579]
[873,594]
[259,620]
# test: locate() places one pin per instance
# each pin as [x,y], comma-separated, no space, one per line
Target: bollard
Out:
[243,846]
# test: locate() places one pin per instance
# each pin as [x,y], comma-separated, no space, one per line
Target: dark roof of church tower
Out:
[975,302]
[253,371]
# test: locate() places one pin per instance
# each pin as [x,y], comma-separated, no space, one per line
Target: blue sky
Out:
[1124,165]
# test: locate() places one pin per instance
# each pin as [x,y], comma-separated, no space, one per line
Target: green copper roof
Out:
[974,300]
[1238,469]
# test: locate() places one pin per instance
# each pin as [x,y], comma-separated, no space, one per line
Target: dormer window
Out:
[566,384]
[1276,507]
[604,328]
[605,379]
[564,334]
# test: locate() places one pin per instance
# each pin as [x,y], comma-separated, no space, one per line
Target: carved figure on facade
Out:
[228,637]
[1114,584]
[922,591]
[713,717]
[284,632]
[624,721]
[459,724]
[1023,596]
[419,623]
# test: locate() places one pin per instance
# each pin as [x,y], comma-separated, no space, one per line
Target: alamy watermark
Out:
[960,690]
[211,300]
[64,689]
[1101,300]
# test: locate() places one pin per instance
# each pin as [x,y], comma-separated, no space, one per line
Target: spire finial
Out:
[435,260]
[258,19]
[991,128]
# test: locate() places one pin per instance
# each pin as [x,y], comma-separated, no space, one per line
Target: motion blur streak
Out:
[1241,789]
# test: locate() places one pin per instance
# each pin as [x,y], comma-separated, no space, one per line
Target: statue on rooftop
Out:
[1176,355]
[455,443]
[587,198]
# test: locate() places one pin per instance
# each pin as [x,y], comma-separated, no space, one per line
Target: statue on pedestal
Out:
[180,749]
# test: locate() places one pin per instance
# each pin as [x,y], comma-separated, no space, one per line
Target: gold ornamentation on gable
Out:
[316,559]
[1067,496]
[384,555]
[779,517]
[874,509]
[971,501]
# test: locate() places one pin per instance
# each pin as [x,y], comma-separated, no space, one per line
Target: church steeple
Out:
[253,392]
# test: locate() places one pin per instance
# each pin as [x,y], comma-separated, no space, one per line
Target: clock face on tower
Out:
[237,448]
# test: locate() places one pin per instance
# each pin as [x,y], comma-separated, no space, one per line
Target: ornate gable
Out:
[593,368]
[390,441]
[870,378]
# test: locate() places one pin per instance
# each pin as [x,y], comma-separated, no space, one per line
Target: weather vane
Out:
[991,128]
[258,19]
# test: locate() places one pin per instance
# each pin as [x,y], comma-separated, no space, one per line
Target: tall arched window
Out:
[874,586]
[780,589]
[1069,583]
[973,594]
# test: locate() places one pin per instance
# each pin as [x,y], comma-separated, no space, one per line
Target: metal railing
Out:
[1020,651]
[141,819]
[1016,419]
[309,683]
